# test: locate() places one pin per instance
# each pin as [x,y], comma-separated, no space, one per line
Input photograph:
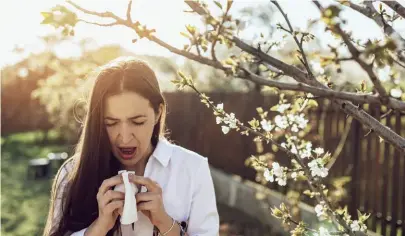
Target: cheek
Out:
[112,133]
[144,132]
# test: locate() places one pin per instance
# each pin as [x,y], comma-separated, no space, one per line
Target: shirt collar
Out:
[163,151]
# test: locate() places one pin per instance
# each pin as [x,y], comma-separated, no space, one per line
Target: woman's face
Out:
[129,120]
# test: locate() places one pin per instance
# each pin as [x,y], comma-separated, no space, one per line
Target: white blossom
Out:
[294,149]
[319,151]
[323,232]
[219,120]
[282,181]
[268,175]
[284,145]
[384,73]
[306,153]
[294,175]
[282,107]
[319,210]
[294,128]
[230,120]
[396,93]
[281,121]
[266,125]
[358,226]
[225,129]
[317,169]
[220,106]
[278,171]
[301,121]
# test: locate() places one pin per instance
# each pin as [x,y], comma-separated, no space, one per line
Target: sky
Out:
[20,24]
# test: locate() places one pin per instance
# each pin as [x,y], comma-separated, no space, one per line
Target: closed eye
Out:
[138,123]
[110,124]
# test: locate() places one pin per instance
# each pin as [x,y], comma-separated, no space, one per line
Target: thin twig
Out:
[218,32]
[386,114]
[368,68]
[299,43]
[395,6]
[368,133]
[341,144]
[370,12]
[99,24]
[129,8]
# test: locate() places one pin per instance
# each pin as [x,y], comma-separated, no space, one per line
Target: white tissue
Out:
[130,212]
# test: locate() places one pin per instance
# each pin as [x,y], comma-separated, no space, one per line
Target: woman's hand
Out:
[110,203]
[151,202]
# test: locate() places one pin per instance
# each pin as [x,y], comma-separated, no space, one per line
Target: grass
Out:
[24,202]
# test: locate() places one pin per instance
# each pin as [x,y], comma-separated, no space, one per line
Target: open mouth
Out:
[127,152]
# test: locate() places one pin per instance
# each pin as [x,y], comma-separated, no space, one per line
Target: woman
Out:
[123,130]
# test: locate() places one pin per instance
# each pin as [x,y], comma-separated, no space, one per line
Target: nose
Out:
[126,134]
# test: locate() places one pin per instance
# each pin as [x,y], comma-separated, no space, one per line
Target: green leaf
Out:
[185,35]
[274,108]
[254,123]
[308,193]
[48,18]
[312,103]
[191,29]
[46,14]
[218,4]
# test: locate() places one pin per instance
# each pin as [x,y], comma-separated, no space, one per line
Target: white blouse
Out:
[188,191]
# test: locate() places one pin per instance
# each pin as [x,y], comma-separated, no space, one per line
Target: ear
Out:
[161,106]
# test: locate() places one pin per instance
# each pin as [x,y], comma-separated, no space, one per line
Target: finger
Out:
[108,183]
[110,196]
[151,185]
[146,206]
[148,196]
[110,207]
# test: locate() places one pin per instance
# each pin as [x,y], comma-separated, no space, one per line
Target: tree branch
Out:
[289,70]
[367,120]
[395,6]
[366,67]
[99,14]
[370,12]
[299,43]
[129,19]
[322,92]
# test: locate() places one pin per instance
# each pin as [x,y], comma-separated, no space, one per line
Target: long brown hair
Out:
[93,159]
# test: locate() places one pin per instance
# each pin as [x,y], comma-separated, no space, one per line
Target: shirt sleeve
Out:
[61,183]
[204,218]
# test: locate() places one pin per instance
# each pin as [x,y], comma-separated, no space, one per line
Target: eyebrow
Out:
[130,118]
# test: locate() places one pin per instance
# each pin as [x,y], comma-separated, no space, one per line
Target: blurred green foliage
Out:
[24,202]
